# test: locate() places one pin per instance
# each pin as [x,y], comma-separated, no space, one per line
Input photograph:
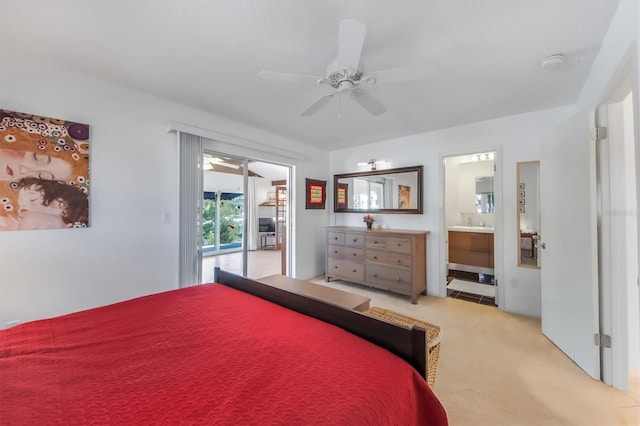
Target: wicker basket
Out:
[433,336]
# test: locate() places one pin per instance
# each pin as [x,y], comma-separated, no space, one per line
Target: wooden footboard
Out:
[407,343]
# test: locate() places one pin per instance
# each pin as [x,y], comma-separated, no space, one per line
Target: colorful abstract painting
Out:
[44,172]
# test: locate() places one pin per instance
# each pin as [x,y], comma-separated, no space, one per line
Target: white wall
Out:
[518,138]
[127,251]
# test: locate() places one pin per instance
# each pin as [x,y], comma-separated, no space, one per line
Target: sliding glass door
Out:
[244,223]
[229,212]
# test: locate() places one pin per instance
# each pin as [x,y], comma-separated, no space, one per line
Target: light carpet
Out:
[498,369]
[473,288]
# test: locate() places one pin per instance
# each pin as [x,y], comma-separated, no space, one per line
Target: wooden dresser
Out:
[388,259]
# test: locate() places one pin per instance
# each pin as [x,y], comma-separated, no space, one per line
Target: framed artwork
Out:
[44,179]
[404,197]
[316,193]
[342,191]
[522,209]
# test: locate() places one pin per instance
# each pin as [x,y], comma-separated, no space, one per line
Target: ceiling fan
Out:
[345,75]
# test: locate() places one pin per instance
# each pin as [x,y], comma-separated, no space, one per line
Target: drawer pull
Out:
[399,261]
[375,257]
[355,270]
[336,251]
[355,254]
[399,244]
[335,267]
[355,240]
[335,238]
[375,275]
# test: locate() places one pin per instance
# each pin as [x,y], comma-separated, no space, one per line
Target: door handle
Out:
[543,245]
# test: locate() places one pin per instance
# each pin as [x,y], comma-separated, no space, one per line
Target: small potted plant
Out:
[368,219]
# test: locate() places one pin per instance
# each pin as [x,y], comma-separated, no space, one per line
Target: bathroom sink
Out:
[485,229]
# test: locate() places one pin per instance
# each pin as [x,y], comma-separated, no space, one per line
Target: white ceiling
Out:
[208,54]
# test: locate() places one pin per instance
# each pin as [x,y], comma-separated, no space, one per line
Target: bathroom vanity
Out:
[471,245]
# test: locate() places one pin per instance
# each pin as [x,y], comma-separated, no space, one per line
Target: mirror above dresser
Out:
[379,191]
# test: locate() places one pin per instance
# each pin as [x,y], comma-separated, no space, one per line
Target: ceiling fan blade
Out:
[318,103]
[288,77]
[350,43]
[368,102]
[397,75]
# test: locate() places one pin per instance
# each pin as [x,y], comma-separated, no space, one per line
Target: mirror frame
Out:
[417,210]
[522,163]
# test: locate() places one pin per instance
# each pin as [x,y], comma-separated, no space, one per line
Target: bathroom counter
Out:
[481,229]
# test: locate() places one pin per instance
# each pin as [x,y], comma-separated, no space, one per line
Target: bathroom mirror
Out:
[484,194]
[379,191]
[528,211]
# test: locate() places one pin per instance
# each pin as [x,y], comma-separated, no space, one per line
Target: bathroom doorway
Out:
[470,205]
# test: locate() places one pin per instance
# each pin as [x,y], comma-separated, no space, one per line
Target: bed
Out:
[230,352]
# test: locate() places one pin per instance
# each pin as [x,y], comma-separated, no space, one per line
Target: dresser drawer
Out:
[353,240]
[399,244]
[376,242]
[347,253]
[389,278]
[345,269]
[336,238]
[390,259]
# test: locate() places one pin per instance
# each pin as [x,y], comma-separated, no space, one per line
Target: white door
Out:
[568,241]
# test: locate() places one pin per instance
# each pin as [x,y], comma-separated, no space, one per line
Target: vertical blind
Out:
[191,188]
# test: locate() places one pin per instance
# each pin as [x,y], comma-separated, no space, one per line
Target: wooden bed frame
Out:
[407,343]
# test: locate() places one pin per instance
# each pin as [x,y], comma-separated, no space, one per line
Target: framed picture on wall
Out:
[44,181]
[316,193]
[342,191]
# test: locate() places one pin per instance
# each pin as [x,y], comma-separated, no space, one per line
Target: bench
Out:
[334,296]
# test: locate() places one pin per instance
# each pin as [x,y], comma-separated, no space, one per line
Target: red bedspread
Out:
[203,355]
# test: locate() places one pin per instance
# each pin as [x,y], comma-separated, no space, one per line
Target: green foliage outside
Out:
[230,230]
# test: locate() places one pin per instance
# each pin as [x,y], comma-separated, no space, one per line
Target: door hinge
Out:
[599,133]
[603,340]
